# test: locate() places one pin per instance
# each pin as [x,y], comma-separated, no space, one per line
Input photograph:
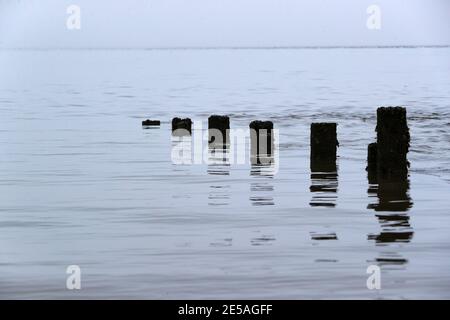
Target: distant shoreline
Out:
[227,48]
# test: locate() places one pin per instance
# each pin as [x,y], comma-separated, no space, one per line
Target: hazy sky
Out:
[180,23]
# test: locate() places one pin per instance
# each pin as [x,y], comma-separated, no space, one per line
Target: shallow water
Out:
[82,183]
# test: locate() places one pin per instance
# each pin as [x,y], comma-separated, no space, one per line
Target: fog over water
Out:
[82,182]
[210,23]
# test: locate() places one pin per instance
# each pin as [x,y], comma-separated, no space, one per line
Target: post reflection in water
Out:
[219,165]
[181,149]
[387,167]
[324,186]
[324,171]
[392,201]
[262,188]
[324,183]
[262,158]
[181,155]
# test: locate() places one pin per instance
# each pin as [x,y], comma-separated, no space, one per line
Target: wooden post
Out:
[218,130]
[181,127]
[324,145]
[261,141]
[149,122]
[372,163]
[392,143]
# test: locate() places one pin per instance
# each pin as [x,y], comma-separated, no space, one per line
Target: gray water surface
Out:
[82,183]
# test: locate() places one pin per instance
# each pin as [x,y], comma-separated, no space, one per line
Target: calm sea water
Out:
[82,183]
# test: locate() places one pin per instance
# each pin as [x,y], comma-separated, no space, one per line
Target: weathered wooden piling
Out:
[149,122]
[372,155]
[181,126]
[372,163]
[218,129]
[324,177]
[392,143]
[324,145]
[261,142]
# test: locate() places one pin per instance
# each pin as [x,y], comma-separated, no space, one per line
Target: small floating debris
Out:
[148,122]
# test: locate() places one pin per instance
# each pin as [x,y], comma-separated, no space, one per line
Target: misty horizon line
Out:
[275,47]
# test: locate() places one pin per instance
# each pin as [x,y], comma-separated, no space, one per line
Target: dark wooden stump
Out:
[218,130]
[392,143]
[181,127]
[372,163]
[324,145]
[149,122]
[261,141]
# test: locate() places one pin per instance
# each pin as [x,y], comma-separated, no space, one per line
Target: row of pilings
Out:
[387,163]
[261,134]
